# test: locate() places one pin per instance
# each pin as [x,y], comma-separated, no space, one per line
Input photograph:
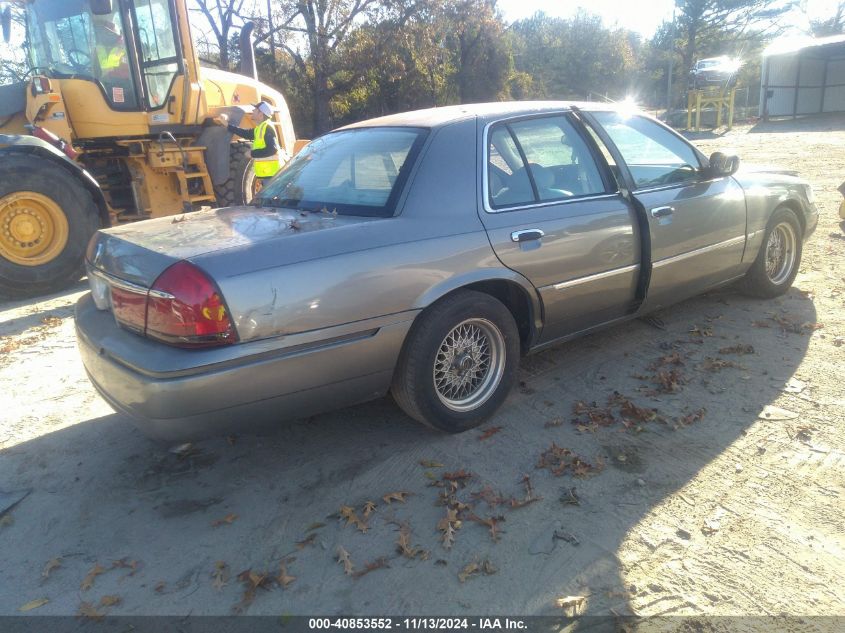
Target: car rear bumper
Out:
[176,394]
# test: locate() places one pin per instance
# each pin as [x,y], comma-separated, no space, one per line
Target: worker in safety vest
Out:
[265,147]
[110,49]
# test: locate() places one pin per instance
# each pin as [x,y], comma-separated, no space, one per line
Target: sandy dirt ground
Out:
[726,499]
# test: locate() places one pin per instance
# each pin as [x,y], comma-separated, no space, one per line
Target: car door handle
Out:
[527,235]
[662,212]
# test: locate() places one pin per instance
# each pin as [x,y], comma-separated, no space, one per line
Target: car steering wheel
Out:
[79,59]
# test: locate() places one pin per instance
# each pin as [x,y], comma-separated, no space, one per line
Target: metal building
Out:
[803,76]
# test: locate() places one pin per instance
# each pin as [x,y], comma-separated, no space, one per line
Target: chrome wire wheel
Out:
[780,253]
[469,364]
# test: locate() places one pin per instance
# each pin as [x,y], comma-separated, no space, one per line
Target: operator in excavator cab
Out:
[110,50]
[265,147]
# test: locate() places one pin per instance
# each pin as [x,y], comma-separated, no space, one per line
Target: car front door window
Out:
[654,156]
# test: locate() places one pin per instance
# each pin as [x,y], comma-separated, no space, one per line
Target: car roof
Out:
[437,117]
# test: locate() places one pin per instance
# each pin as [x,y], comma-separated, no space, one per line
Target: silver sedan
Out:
[421,254]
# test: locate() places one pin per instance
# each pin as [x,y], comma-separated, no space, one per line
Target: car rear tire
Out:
[459,362]
[777,263]
[47,218]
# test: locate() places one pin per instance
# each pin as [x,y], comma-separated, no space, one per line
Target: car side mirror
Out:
[723,164]
[6,23]
[101,7]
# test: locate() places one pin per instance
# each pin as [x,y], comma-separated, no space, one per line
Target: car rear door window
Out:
[539,160]
[654,156]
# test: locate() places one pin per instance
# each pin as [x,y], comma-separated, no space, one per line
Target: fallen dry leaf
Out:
[571,605]
[447,526]
[691,418]
[284,578]
[87,610]
[560,460]
[718,364]
[88,581]
[252,581]
[379,563]
[569,497]
[737,349]
[160,586]
[126,563]
[226,520]
[395,496]
[485,567]
[220,575]
[486,435]
[492,524]
[702,332]
[110,601]
[427,463]
[348,513]
[34,604]
[369,508]
[307,541]
[52,564]
[343,559]
[461,476]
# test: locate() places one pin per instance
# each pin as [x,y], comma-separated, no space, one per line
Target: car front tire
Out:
[777,263]
[458,363]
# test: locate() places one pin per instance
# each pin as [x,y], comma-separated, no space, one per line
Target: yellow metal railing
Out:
[718,98]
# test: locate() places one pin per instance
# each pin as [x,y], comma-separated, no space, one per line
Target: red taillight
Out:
[184,307]
[129,307]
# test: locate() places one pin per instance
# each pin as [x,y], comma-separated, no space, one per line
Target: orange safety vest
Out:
[268,166]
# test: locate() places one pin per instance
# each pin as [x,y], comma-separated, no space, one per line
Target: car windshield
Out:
[351,172]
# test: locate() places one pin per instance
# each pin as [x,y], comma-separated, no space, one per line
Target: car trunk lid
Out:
[138,253]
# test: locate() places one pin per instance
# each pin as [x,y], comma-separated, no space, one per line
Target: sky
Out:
[641,16]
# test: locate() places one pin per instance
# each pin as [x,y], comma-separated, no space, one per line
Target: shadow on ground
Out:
[102,493]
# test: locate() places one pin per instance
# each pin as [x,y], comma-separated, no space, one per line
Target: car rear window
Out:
[352,172]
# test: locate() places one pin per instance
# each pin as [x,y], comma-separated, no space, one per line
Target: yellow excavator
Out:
[114,123]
